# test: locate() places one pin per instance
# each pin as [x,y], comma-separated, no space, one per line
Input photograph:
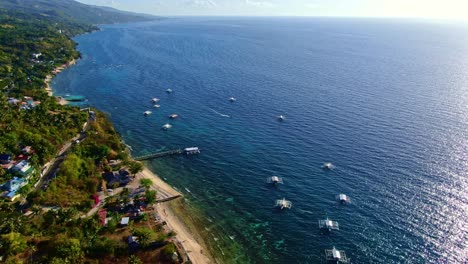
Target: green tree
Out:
[146,183]
[169,250]
[145,236]
[12,243]
[150,196]
[103,246]
[68,248]
[135,167]
[133,259]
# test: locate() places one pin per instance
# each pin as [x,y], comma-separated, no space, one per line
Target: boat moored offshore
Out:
[274,180]
[283,203]
[335,256]
[343,198]
[166,126]
[328,225]
[328,166]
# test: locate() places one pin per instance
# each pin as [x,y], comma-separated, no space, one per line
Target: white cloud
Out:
[260,3]
[201,3]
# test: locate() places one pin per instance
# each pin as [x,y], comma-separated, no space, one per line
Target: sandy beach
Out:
[193,245]
[49,77]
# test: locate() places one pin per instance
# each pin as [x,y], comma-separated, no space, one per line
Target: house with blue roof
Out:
[23,168]
[12,188]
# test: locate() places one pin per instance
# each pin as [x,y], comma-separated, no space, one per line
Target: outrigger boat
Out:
[328,225]
[343,198]
[328,166]
[274,180]
[166,126]
[283,203]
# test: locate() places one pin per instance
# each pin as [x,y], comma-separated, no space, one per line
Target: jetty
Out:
[188,151]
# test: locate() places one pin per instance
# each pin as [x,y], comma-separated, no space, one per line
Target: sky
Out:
[440,9]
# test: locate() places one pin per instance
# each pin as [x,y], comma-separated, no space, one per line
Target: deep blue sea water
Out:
[386,101]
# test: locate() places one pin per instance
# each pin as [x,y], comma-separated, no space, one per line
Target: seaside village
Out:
[124,204]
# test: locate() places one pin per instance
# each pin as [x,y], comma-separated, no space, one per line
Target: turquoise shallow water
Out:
[385,101]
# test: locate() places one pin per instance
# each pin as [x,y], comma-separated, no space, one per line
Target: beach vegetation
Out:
[135,167]
[146,182]
[150,196]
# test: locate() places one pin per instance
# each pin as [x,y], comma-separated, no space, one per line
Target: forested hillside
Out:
[69,10]
[42,220]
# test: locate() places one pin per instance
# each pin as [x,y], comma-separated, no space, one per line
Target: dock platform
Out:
[188,151]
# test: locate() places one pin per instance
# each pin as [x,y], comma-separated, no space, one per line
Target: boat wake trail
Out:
[223,115]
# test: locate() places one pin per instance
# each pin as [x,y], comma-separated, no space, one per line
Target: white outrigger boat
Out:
[169,90]
[283,203]
[155,100]
[343,198]
[147,113]
[281,118]
[328,166]
[232,99]
[335,256]
[274,180]
[166,126]
[328,225]
[156,106]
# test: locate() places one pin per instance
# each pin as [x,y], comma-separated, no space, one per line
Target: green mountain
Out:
[69,10]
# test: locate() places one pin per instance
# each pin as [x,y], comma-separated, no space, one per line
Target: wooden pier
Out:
[191,150]
[159,154]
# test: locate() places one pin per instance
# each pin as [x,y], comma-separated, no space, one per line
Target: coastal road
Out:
[49,171]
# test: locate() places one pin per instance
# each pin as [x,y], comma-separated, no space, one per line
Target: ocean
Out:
[386,101]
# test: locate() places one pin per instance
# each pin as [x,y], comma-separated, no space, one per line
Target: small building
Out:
[23,168]
[124,221]
[27,150]
[13,101]
[14,184]
[5,158]
[121,177]
[12,188]
[36,55]
[103,216]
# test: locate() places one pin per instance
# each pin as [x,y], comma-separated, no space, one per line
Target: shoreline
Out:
[50,76]
[194,248]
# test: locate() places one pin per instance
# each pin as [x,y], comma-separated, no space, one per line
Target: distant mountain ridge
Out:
[74,11]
